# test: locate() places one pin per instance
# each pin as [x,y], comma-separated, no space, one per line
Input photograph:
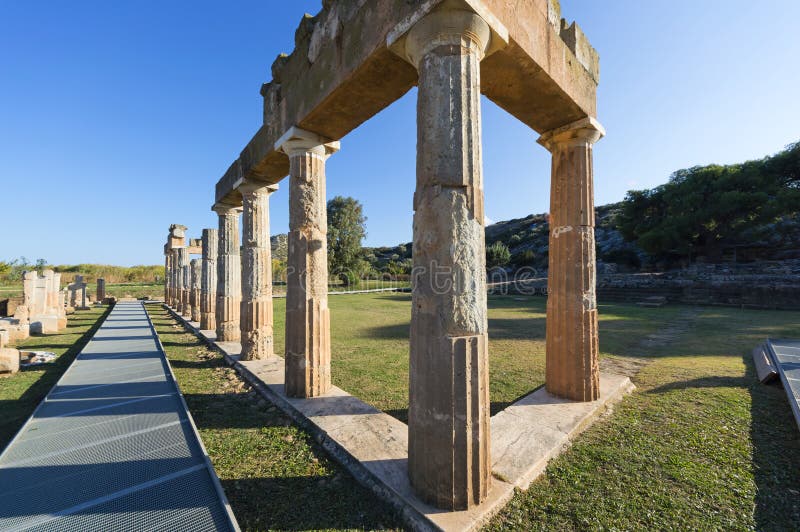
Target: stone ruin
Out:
[352,60]
[78,298]
[42,311]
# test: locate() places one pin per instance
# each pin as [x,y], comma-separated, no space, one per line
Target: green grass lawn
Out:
[699,445]
[22,392]
[369,336]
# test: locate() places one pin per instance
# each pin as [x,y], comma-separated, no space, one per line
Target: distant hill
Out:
[716,213]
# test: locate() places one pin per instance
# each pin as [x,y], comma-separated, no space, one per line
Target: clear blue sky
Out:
[117,118]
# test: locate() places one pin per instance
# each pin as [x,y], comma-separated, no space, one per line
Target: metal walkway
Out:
[112,446]
[786,355]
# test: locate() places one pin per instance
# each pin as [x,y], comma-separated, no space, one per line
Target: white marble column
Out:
[308,343]
[229,274]
[256,319]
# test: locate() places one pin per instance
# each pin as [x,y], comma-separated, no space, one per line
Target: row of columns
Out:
[449,455]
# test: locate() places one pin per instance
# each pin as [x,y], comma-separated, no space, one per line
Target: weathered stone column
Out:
[448,420]
[572,368]
[167,274]
[29,289]
[194,297]
[229,274]
[256,319]
[208,283]
[50,293]
[183,260]
[101,290]
[308,337]
[186,285]
[174,299]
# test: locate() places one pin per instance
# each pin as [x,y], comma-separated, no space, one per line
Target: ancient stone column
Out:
[448,420]
[229,274]
[572,368]
[186,286]
[308,343]
[183,260]
[29,288]
[208,283]
[175,272]
[50,292]
[194,298]
[101,289]
[256,319]
[167,275]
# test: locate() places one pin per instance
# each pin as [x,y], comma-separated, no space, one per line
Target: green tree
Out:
[346,230]
[497,255]
[704,208]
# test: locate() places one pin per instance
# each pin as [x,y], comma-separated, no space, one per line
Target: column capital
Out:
[225,209]
[297,141]
[250,186]
[584,131]
[450,23]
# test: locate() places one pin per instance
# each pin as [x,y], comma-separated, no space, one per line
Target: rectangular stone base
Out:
[373,446]
[15,330]
[44,324]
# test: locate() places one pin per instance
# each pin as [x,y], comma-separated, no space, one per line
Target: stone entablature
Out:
[342,72]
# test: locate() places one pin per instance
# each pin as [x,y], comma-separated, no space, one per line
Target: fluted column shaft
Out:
[167,275]
[448,420]
[256,319]
[186,288]
[194,295]
[182,280]
[308,340]
[208,284]
[572,369]
[229,275]
[173,283]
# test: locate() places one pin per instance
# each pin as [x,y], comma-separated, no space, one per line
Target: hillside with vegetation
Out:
[11,271]
[734,213]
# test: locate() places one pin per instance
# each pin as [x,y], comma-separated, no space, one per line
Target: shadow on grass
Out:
[776,453]
[16,412]
[308,505]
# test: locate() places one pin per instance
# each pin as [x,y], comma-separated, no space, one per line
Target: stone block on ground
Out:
[45,324]
[765,367]
[16,330]
[9,360]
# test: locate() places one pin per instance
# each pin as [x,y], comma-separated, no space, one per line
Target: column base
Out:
[572,369]
[308,352]
[449,460]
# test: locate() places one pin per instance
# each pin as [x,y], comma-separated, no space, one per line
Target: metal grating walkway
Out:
[112,446]
[786,355]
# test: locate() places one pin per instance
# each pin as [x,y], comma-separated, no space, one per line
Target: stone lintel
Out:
[342,73]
